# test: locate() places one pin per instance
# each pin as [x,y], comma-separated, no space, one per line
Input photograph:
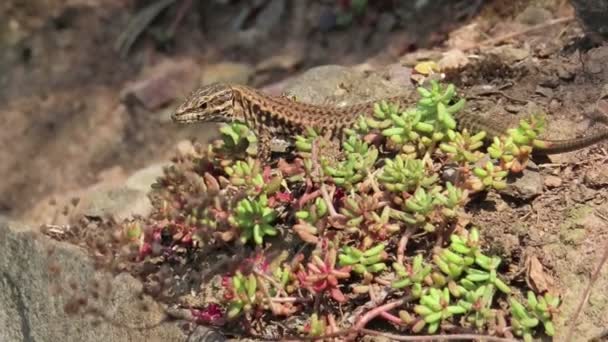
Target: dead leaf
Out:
[453,59]
[536,277]
[427,67]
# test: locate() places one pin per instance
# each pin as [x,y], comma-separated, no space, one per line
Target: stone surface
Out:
[31,311]
[552,181]
[526,186]
[122,201]
[116,195]
[338,85]
[227,72]
[162,83]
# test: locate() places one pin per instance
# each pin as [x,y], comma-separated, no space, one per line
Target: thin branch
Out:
[371,314]
[328,201]
[402,246]
[586,294]
[500,39]
[447,337]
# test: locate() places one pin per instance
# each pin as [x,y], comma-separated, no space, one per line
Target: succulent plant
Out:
[363,262]
[540,309]
[490,176]
[322,276]
[463,147]
[237,137]
[243,293]
[255,219]
[435,307]
[373,204]
[360,157]
[402,174]
[413,275]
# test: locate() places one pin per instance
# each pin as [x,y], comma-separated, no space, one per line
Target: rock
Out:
[565,73]
[289,60]
[144,178]
[227,72]
[533,15]
[162,83]
[544,91]
[552,181]
[596,177]
[592,15]
[509,54]
[549,81]
[398,74]
[114,195]
[526,187]
[604,95]
[31,311]
[453,60]
[338,85]
[464,37]
[270,16]
[121,201]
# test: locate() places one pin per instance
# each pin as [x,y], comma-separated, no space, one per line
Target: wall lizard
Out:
[277,116]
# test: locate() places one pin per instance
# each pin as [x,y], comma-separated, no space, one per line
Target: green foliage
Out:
[316,326]
[244,291]
[490,177]
[314,212]
[403,174]
[435,307]
[360,158]
[247,174]
[362,262]
[237,136]
[255,219]
[412,275]
[478,305]
[381,199]
[540,309]
[462,147]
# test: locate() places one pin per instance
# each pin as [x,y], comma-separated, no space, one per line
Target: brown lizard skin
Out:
[281,117]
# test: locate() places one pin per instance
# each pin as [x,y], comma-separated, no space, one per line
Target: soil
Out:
[64,123]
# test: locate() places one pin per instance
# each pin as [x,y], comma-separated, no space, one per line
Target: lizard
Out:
[279,116]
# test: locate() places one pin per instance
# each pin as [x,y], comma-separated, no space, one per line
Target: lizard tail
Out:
[569,145]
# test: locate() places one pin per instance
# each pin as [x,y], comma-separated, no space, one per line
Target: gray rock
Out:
[229,72]
[117,202]
[338,85]
[144,178]
[121,201]
[533,15]
[31,311]
[161,84]
[526,187]
[271,15]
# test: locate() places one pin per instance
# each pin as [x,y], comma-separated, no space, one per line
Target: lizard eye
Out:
[204,106]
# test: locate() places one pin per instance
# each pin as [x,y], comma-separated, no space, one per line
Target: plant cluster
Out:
[381,218]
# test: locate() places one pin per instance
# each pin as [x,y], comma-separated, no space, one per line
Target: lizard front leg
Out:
[264,146]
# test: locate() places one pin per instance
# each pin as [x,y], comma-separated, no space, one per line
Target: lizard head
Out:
[211,103]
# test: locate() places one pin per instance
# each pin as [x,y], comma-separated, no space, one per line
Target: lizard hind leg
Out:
[332,146]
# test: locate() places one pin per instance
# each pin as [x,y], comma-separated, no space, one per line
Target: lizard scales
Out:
[277,116]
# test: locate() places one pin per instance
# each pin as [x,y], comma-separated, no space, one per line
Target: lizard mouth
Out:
[184,117]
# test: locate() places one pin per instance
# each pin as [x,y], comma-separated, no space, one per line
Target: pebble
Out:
[564,73]
[546,92]
[550,81]
[552,181]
